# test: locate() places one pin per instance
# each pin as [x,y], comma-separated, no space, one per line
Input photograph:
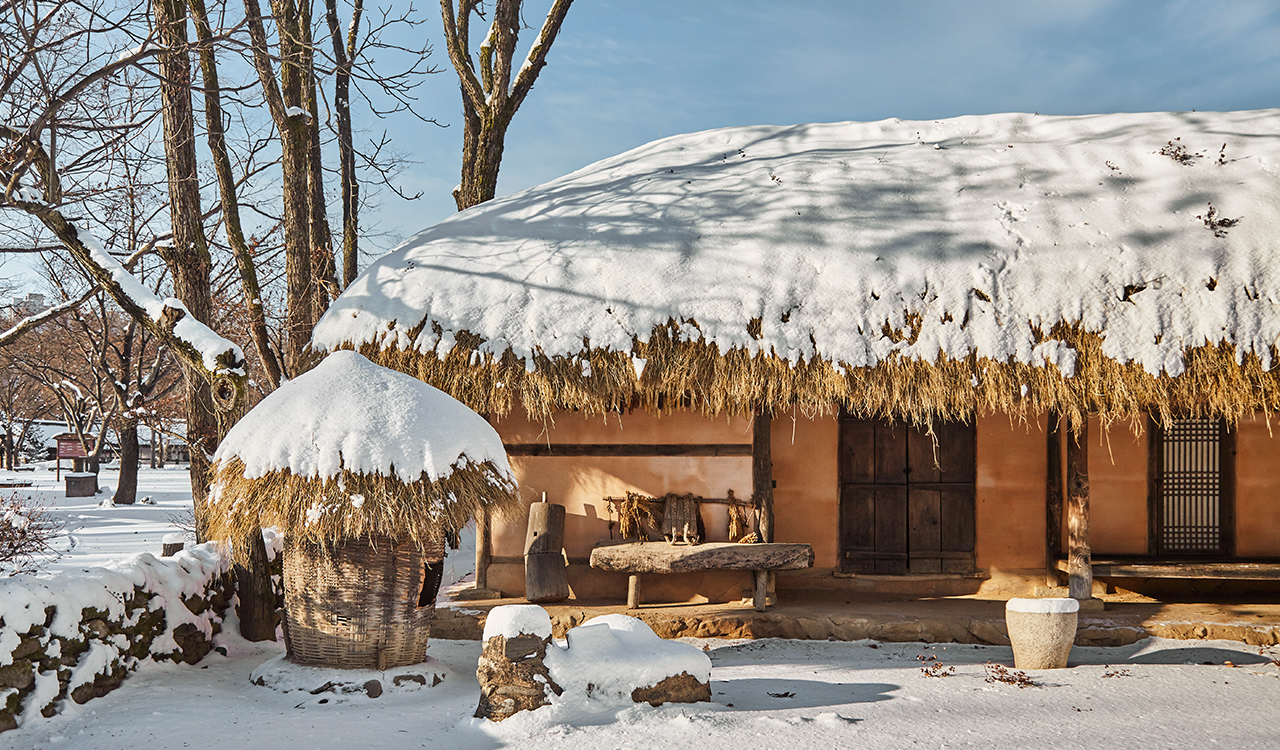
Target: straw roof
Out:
[351,450]
[1118,264]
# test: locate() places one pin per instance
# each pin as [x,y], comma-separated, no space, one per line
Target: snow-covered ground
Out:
[97,532]
[768,694]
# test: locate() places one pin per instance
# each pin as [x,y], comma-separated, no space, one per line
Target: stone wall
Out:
[77,635]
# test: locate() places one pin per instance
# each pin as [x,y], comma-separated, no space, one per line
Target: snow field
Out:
[768,694]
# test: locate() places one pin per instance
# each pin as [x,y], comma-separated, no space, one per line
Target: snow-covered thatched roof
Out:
[352,449]
[1113,263]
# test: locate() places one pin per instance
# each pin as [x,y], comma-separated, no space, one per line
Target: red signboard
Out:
[70,448]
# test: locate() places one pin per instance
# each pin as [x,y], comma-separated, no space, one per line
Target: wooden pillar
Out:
[633,591]
[1079,561]
[762,472]
[762,484]
[1053,498]
[482,549]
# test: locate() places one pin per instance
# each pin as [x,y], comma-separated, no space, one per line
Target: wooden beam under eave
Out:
[1079,558]
[1053,498]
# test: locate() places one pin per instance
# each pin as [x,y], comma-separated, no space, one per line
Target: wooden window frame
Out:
[1226,492]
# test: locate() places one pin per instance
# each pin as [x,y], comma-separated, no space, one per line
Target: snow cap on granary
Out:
[353,449]
[1117,264]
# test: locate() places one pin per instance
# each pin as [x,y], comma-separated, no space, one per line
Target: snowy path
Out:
[769,694]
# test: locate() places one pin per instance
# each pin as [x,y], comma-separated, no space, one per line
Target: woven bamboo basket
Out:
[359,603]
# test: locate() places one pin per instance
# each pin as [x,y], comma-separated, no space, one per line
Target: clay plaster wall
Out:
[1257,488]
[1010,495]
[1117,490]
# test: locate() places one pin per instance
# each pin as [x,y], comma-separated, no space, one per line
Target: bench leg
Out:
[762,589]
[633,591]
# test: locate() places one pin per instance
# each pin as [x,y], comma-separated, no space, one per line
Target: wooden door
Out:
[906,505]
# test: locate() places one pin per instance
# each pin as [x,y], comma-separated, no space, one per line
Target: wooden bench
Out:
[1238,570]
[15,483]
[635,558]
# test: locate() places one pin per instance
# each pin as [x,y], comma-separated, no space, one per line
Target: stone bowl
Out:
[1041,631]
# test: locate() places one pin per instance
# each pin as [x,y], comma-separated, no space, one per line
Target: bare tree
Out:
[491,97]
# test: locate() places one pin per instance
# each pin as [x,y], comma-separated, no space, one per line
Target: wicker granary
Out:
[364,470]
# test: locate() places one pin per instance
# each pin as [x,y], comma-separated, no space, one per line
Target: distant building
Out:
[29,305]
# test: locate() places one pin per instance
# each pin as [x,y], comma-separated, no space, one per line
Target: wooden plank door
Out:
[904,506]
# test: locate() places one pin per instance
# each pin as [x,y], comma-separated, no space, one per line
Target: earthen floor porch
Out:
[962,619]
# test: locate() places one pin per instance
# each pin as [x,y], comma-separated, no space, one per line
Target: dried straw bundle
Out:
[686,374]
[635,513]
[354,506]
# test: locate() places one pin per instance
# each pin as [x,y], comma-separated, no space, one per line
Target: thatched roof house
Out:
[993,267]
[1008,262]
[364,470]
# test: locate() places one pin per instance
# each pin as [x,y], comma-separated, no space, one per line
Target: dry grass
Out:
[683,374]
[353,506]
[637,512]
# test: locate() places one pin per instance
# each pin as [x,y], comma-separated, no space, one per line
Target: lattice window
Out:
[1190,461]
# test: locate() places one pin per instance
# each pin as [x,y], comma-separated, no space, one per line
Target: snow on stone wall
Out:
[77,635]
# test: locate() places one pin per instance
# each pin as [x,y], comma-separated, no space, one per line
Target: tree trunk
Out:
[257,608]
[127,486]
[227,192]
[346,148]
[491,100]
[188,255]
[482,143]
[295,137]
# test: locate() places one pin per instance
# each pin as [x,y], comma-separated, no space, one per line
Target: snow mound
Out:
[511,620]
[1052,605]
[349,413]
[610,656]
[855,242]
[339,685]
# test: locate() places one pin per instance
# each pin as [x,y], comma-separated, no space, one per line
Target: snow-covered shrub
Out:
[26,531]
[77,635]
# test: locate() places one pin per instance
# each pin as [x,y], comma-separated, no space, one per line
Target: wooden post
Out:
[545,577]
[762,480]
[633,591]
[762,472]
[482,550]
[1053,498]
[762,590]
[1079,561]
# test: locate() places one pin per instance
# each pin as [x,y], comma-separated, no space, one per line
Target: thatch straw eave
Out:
[1217,381]
[354,505]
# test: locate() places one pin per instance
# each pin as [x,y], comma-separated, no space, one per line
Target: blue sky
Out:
[626,72]
[623,73]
